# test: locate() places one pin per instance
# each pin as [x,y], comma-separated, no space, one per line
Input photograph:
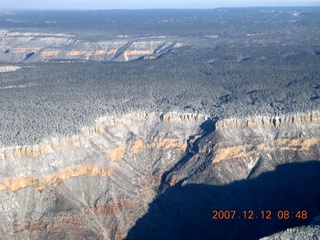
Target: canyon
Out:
[35,47]
[105,181]
[155,124]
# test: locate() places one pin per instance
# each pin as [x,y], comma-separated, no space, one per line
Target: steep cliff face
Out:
[244,165]
[249,137]
[109,173]
[98,184]
[247,144]
[35,47]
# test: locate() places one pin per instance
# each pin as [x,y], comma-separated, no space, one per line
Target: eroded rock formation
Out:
[33,47]
[115,163]
[105,182]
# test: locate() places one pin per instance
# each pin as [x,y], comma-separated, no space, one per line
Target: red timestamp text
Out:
[262,214]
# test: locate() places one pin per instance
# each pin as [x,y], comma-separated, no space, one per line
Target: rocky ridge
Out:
[266,134]
[306,232]
[96,185]
[34,47]
[125,154]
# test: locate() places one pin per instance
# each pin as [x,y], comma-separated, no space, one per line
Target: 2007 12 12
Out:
[263,214]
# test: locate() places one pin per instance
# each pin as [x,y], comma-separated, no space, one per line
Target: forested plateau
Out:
[142,124]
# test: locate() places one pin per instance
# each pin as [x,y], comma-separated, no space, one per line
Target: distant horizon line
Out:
[139,9]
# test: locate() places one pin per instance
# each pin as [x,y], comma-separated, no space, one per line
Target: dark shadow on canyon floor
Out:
[185,212]
[207,127]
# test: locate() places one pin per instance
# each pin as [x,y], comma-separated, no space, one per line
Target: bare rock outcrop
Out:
[105,173]
[307,232]
[33,47]
[100,183]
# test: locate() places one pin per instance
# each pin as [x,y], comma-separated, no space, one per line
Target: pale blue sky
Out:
[145,4]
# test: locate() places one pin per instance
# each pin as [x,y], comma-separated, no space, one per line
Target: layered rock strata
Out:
[98,184]
[33,47]
[243,165]
[94,184]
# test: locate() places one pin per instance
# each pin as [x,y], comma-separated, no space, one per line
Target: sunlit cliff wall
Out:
[33,47]
[97,184]
[109,169]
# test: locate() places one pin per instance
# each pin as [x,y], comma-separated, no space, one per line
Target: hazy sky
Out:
[143,4]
